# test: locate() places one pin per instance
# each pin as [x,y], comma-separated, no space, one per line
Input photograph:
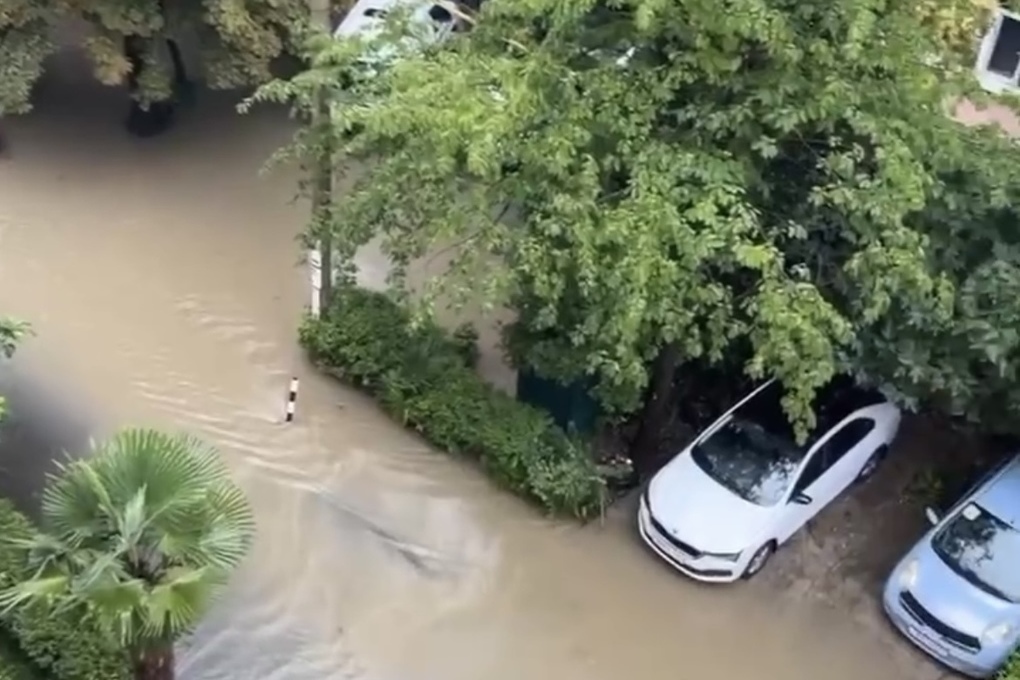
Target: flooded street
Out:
[162,278]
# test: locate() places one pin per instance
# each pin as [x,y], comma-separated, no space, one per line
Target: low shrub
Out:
[13,664]
[62,644]
[424,378]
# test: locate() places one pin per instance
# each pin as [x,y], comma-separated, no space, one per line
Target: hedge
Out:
[423,377]
[63,645]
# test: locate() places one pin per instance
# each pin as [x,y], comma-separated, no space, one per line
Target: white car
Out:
[432,21]
[718,510]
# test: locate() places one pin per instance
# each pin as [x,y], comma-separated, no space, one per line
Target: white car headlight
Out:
[908,575]
[998,633]
[729,557]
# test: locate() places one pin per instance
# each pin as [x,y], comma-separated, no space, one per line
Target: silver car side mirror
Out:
[932,515]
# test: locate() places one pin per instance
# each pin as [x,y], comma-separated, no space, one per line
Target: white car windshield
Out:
[982,549]
[751,460]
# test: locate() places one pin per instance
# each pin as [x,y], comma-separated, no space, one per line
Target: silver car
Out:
[956,594]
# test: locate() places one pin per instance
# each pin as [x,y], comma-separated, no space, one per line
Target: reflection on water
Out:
[161,278]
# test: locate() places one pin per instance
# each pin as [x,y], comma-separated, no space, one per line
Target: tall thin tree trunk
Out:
[322,187]
[159,116]
[180,72]
[322,207]
[656,410]
[154,662]
[134,50]
[182,85]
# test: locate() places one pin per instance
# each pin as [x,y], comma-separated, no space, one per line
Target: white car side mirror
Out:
[932,515]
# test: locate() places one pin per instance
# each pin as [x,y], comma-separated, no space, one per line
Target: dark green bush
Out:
[13,664]
[424,378]
[64,645]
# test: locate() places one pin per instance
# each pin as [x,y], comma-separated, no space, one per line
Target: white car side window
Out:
[848,436]
[811,472]
[833,449]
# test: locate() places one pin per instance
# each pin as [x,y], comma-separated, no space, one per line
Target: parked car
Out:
[956,593]
[720,509]
[429,22]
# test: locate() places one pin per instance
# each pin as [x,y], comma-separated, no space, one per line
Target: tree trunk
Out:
[183,89]
[134,49]
[322,208]
[322,187]
[180,72]
[159,116]
[656,410]
[155,662]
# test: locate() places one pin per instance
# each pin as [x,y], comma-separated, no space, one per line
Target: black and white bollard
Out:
[291,400]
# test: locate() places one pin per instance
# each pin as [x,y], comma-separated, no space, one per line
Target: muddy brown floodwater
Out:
[162,279]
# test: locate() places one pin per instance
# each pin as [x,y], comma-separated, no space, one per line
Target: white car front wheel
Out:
[759,560]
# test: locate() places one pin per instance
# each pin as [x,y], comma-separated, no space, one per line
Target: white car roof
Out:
[367,19]
[367,16]
[834,402]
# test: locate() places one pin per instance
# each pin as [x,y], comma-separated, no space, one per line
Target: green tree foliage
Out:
[238,41]
[140,536]
[11,332]
[774,183]
[957,23]
[24,44]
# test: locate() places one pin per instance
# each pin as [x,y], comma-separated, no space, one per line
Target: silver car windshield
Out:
[754,463]
[982,549]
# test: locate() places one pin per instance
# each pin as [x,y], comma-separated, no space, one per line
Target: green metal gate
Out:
[571,406]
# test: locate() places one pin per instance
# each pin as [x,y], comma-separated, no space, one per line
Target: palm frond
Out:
[103,570]
[115,606]
[71,507]
[132,519]
[41,550]
[44,589]
[175,605]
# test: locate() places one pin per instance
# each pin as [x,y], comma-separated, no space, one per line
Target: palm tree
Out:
[141,536]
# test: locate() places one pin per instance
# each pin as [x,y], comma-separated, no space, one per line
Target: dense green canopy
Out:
[647,182]
[238,40]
